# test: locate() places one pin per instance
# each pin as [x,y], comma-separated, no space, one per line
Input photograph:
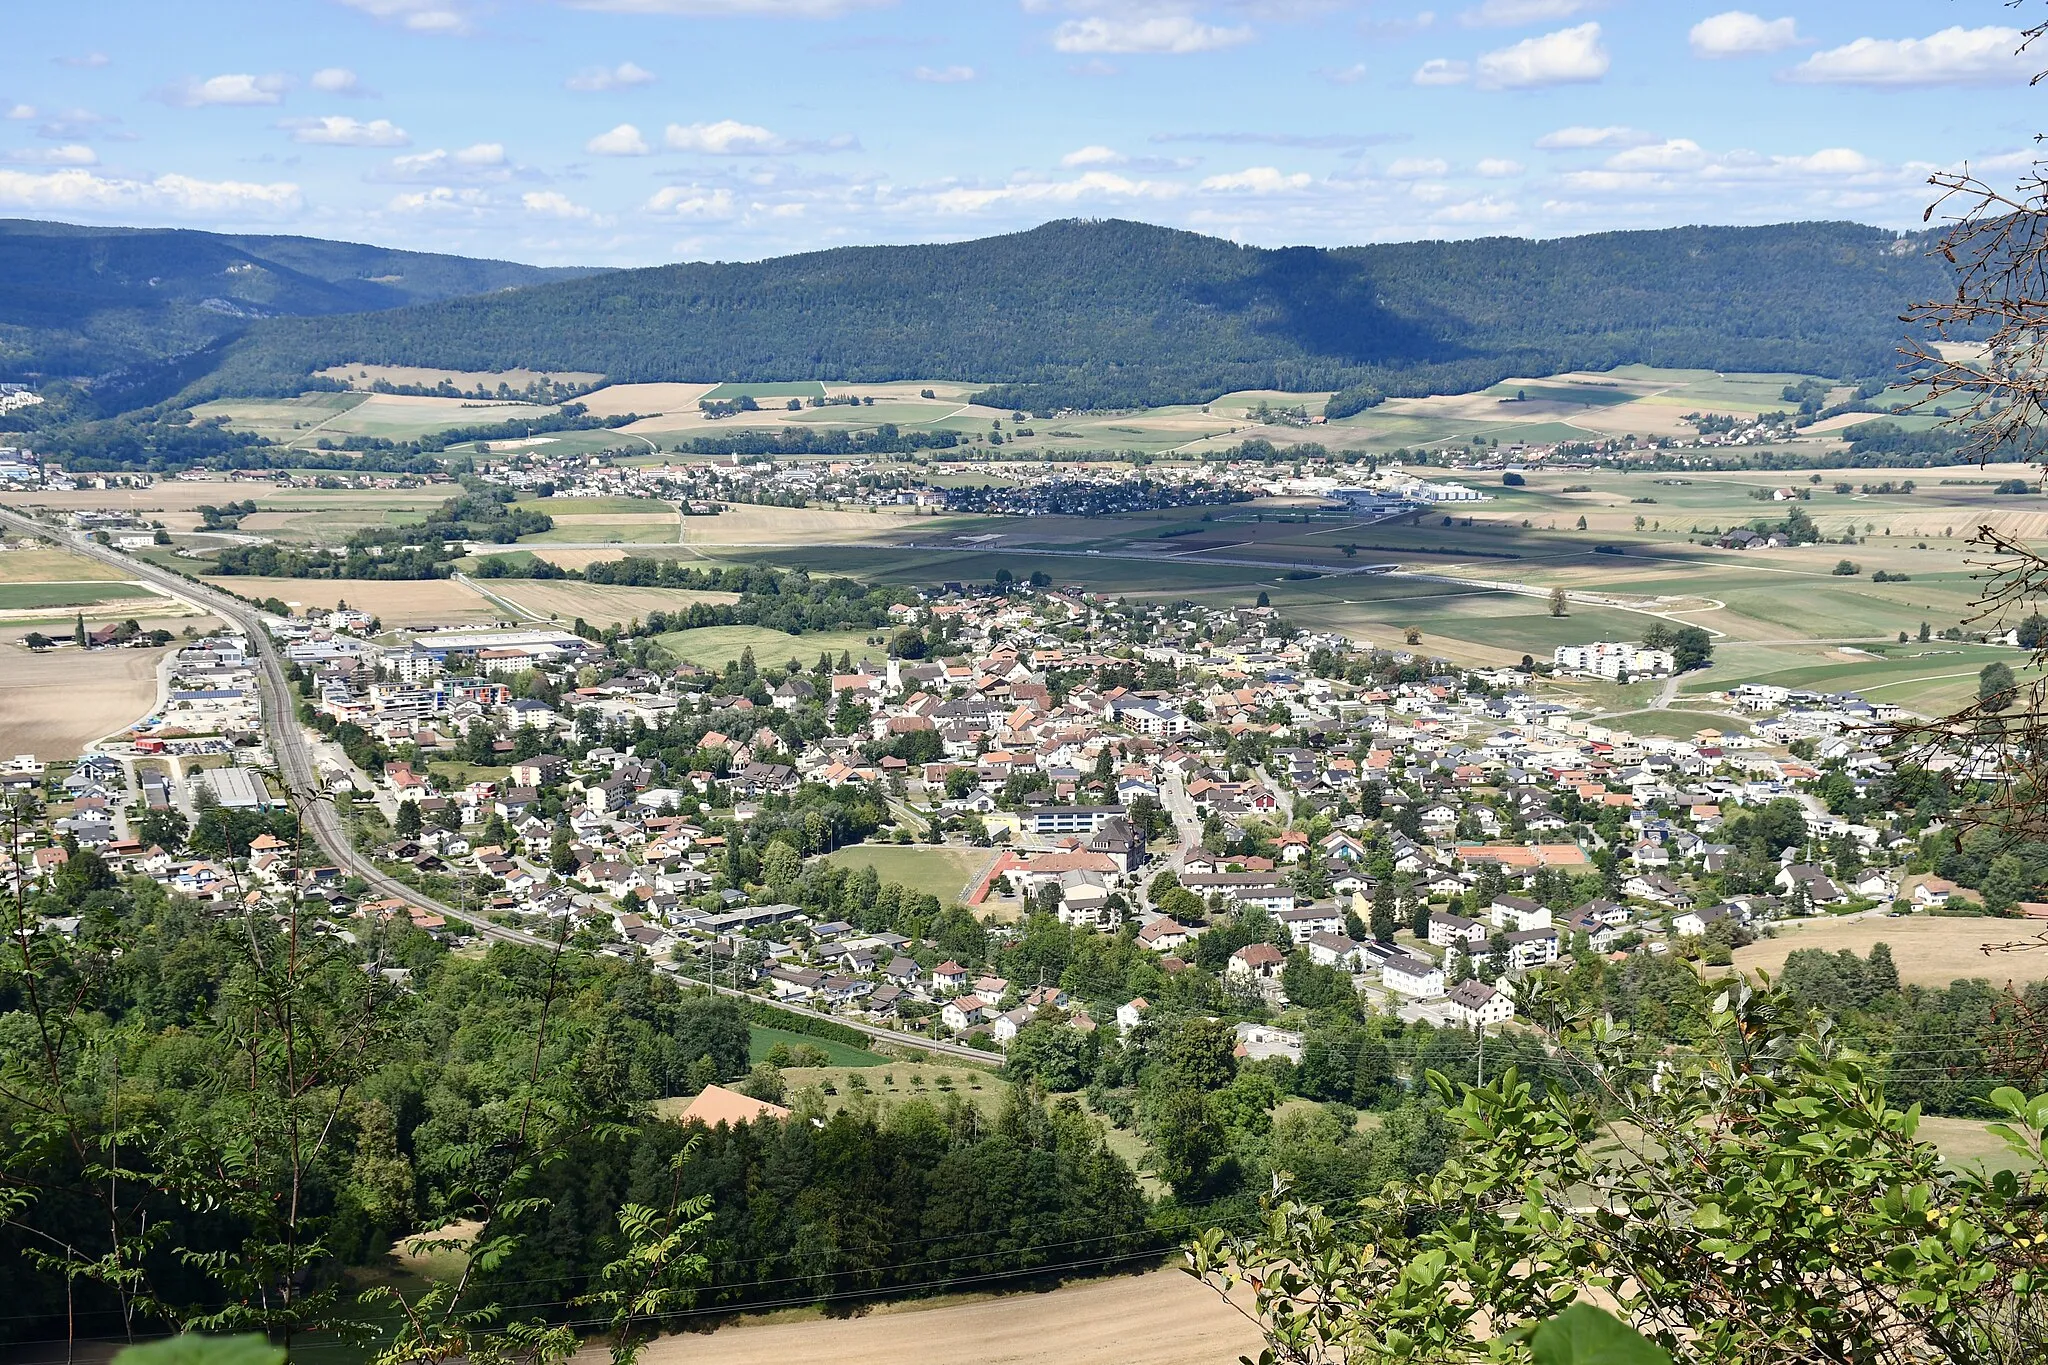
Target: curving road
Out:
[317,811]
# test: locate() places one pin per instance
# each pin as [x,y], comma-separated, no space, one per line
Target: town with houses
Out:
[1155,773]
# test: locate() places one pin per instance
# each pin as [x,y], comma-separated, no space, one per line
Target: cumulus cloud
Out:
[21,111]
[624,76]
[442,199]
[554,204]
[1496,167]
[435,18]
[339,130]
[1954,56]
[1442,71]
[1095,155]
[1484,209]
[1738,33]
[943,75]
[1256,180]
[1580,136]
[624,140]
[235,89]
[1093,185]
[83,191]
[70,154]
[1514,13]
[337,80]
[1162,33]
[482,160]
[727,137]
[1676,153]
[1345,75]
[1676,165]
[1418,167]
[1828,161]
[1568,56]
[692,201]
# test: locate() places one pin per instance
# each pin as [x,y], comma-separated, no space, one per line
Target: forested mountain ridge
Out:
[88,301]
[1114,313]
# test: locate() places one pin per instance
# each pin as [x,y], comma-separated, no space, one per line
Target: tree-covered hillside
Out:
[1118,313]
[86,301]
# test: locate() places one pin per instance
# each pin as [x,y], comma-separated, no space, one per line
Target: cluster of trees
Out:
[413,550]
[885,439]
[1691,647]
[1118,314]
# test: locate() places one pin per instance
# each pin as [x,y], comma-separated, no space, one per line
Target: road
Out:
[317,812]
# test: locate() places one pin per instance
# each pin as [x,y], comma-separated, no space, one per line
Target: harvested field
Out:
[1931,950]
[747,523]
[1160,1318]
[598,603]
[616,400]
[397,603]
[53,705]
[46,564]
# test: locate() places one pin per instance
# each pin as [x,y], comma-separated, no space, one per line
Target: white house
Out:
[1478,1005]
[1412,976]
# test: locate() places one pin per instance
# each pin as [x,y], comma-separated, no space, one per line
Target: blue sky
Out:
[638,131]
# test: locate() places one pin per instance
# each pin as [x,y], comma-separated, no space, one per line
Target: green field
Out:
[939,871]
[713,646]
[801,388]
[761,1040]
[592,507]
[28,596]
[1674,724]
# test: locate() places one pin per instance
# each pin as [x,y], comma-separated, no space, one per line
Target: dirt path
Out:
[1161,1318]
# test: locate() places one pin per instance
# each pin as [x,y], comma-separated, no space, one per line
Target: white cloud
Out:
[70,154]
[624,140]
[624,76]
[1093,185]
[1484,209]
[339,130]
[943,75]
[1418,167]
[1672,154]
[442,199]
[727,137]
[1828,161]
[1495,167]
[692,201]
[1564,57]
[1093,156]
[87,192]
[1256,180]
[554,204]
[435,18]
[337,80]
[1954,56]
[236,89]
[21,111]
[1738,33]
[735,9]
[1442,71]
[1514,13]
[1349,75]
[85,59]
[1169,33]
[1579,135]
[482,160]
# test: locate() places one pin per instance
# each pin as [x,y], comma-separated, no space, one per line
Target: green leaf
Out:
[193,1349]
[1584,1335]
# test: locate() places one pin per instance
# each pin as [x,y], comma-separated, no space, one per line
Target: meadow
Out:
[28,596]
[598,603]
[1931,950]
[946,873]
[47,564]
[714,646]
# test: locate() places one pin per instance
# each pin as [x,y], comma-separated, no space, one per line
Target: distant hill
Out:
[90,301]
[1111,313]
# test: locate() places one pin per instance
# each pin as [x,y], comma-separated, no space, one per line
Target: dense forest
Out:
[126,304]
[1099,314]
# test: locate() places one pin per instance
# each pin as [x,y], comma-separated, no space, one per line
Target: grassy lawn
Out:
[713,646]
[1674,724]
[21,596]
[761,1040]
[937,870]
[462,774]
